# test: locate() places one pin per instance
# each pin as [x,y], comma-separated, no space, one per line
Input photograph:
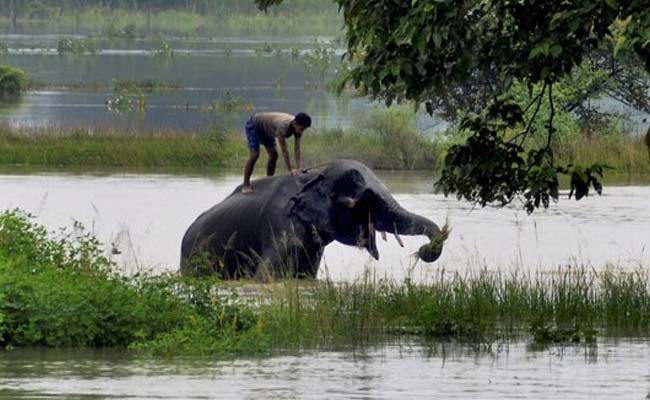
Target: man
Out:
[265,128]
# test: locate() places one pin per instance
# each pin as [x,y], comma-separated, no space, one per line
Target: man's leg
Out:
[248,171]
[273,159]
[254,146]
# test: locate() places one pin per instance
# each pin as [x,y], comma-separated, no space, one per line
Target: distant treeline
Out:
[15,9]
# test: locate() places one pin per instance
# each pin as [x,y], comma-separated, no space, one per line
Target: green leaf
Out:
[612,4]
[536,52]
[437,39]
[556,50]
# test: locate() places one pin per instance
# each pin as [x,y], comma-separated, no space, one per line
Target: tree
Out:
[428,50]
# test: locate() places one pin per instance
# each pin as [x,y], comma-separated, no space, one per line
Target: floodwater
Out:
[259,74]
[611,369]
[145,216]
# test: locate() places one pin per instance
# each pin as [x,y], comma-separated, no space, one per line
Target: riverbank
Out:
[385,143]
[126,23]
[60,290]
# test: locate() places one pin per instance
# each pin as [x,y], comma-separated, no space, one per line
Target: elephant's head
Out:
[347,202]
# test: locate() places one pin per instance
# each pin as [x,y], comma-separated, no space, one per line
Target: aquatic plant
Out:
[164,50]
[147,86]
[13,81]
[61,289]
[128,32]
[319,59]
[77,46]
[265,49]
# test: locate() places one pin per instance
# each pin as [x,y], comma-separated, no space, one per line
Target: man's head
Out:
[300,122]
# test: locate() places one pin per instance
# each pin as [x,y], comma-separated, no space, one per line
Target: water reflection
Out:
[392,370]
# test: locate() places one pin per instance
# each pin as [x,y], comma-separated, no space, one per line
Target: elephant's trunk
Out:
[399,221]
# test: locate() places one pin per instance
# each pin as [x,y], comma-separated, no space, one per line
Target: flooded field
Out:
[145,216]
[258,74]
[611,369]
[141,217]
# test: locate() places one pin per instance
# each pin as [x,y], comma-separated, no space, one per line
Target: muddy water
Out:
[393,371]
[144,218]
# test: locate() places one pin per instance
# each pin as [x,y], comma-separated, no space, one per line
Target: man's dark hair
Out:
[303,119]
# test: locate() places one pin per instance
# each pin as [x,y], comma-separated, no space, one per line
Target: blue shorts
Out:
[254,139]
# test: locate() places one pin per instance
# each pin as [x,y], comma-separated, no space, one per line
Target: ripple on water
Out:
[612,369]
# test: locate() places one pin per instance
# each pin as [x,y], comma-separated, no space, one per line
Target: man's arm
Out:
[285,152]
[296,150]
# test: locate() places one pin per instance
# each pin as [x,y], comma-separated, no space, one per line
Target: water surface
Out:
[144,216]
[612,369]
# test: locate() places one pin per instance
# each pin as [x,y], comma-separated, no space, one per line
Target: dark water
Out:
[609,370]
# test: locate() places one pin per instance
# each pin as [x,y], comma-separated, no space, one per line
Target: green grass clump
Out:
[85,148]
[386,139]
[129,23]
[567,305]
[61,291]
[13,81]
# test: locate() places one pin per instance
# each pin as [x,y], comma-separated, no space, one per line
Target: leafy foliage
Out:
[61,291]
[12,81]
[443,49]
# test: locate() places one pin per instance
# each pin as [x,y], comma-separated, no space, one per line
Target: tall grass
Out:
[186,23]
[111,149]
[625,154]
[61,290]
[565,305]
[386,139]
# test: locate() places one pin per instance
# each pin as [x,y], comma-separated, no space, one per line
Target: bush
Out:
[63,292]
[396,129]
[12,80]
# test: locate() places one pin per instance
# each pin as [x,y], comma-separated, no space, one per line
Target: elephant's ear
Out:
[313,204]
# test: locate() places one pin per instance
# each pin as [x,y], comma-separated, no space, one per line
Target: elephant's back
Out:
[240,218]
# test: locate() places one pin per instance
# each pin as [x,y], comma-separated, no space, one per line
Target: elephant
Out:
[280,230]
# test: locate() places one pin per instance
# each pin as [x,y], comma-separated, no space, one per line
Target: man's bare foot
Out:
[247,190]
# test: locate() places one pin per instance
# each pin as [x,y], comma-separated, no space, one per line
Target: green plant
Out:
[164,50]
[396,130]
[12,80]
[422,51]
[60,290]
[77,46]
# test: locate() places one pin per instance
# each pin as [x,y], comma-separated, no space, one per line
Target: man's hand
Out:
[294,172]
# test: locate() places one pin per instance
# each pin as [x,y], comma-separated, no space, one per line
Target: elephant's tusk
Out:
[383,235]
[349,202]
[399,240]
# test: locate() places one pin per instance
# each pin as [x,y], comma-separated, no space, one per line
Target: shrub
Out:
[12,80]
[62,292]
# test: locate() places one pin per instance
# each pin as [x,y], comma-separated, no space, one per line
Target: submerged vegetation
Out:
[77,47]
[61,290]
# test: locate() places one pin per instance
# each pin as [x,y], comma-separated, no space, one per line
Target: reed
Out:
[387,139]
[115,23]
[111,149]
[61,290]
